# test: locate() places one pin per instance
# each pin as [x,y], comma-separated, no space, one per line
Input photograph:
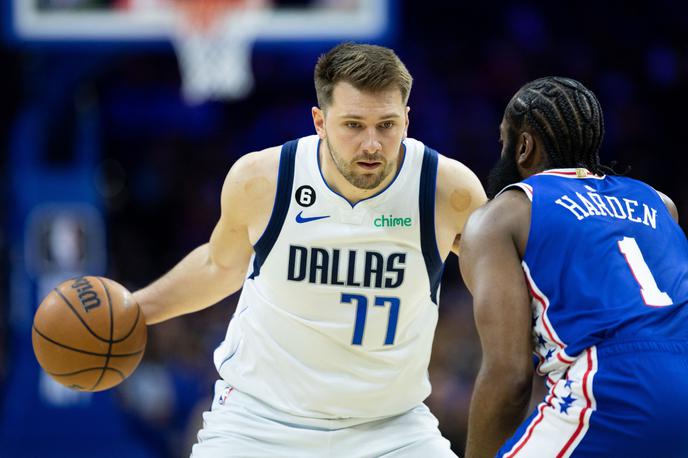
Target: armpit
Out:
[455,245]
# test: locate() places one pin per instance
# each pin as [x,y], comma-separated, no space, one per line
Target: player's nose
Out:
[371,142]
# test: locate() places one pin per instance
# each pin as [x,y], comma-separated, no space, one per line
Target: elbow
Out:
[517,389]
[522,391]
[230,274]
[223,265]
[232,269]
[513,381]
[523,378]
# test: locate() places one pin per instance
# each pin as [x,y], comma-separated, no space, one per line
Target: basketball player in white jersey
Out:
[338,241]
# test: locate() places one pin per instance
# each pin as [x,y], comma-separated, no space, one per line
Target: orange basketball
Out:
[89,334]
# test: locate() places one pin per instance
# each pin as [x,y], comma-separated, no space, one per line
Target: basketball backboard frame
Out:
[368,20]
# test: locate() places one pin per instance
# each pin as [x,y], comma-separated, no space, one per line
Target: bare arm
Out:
[491,267]
[459,193]
[216,269]
[669,205]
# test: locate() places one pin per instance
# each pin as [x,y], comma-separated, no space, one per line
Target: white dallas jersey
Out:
[337,314]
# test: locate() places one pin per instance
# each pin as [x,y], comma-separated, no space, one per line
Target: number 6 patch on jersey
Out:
[305,196]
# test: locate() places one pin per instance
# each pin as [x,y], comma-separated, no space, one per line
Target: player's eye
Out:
[353,124]
[387,125]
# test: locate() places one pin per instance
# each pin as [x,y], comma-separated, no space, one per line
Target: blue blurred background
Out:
[107,169]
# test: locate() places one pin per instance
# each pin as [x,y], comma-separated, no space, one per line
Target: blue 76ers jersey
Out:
[604,261]
[607,269]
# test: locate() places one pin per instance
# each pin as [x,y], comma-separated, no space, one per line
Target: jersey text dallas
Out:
[319,265]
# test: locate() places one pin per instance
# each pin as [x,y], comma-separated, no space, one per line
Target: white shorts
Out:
[239,425]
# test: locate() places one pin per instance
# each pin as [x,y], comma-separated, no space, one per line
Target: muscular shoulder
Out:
[261,165]
[459,190]
[249,189]
[459,193]
[670,205]
[506,216]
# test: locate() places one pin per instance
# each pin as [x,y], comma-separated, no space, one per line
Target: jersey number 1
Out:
[640,270]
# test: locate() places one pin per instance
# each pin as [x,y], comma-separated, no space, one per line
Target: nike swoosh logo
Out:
[304,219]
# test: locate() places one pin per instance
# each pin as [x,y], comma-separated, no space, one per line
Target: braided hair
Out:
[568,119]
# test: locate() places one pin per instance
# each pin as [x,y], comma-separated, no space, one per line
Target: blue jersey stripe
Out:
[285,181]
[426,201]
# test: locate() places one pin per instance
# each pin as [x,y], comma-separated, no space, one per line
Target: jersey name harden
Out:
[322,266]
[595,204]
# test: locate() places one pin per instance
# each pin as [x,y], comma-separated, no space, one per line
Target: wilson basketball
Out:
[89,334]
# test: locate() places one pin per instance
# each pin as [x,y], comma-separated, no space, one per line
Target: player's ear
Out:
[526,150]
[406,122]
[319,122]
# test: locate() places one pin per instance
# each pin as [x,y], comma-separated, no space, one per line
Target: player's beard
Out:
[362,180]
[504,172]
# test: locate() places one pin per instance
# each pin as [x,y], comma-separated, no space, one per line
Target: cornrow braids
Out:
[568,119]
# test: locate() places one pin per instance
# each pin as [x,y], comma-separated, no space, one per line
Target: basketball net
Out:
[213,41]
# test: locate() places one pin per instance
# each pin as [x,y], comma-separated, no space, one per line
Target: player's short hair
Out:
[366,67]
[566,116]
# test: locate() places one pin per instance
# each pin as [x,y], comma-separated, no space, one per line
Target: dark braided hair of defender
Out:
[568,119]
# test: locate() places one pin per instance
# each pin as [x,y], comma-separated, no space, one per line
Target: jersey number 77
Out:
[362,310]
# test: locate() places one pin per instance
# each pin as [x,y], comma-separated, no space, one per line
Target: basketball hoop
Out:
[213,40]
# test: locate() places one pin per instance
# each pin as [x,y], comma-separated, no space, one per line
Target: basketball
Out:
[89,334]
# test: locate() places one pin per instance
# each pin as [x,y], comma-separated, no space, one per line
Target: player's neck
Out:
[337,182]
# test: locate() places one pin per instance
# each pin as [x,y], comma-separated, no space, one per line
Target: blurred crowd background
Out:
[160,163]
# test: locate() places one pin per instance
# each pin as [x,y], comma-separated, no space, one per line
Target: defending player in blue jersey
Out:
[587,271]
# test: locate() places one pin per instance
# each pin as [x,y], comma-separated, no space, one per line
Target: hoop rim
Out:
[201,16]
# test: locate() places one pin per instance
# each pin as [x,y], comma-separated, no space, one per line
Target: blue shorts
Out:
[625,399]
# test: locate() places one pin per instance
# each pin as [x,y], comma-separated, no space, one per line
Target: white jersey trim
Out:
[576,173]
[525,187]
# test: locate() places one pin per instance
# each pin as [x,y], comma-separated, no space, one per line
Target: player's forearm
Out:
[498,407]
[193,284]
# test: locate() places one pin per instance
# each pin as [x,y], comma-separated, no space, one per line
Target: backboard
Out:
[101,21]
[213,39]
